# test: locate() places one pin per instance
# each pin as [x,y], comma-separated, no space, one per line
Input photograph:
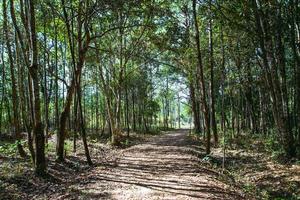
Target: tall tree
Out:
[15,98]
[78,59]
[201,79]
[38,129]
[211,63]
[279,108]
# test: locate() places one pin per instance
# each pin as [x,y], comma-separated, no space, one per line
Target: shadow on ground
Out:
[167,166]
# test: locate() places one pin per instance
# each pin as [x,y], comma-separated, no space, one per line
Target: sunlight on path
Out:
[163,168]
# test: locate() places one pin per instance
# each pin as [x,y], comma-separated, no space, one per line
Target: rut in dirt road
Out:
[163,168]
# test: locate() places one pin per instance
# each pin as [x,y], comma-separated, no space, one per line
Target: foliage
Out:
[9,149]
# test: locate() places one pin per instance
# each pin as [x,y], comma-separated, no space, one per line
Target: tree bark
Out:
[212,94]
[15,99]
[38,131]
[201,80]
[82,123]
[195,110]
[275,88]
[82,45]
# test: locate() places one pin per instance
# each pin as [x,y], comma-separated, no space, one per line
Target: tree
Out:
[83,40]
[15,100]
[38,129]
[201,80]
[276,87]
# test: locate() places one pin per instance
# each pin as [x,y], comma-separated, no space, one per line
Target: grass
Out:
[254,163]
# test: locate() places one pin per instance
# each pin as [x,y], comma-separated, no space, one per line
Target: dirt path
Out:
[165,167]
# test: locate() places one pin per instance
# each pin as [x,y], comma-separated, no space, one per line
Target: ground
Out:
[171,165]
[166,167]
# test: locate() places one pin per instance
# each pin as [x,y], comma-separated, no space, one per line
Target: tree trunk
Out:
[201,80]
[295,43]
[212,94]
[38,131]
[178,111]
[275,88]
[195,110]
[82,124]
[82,47]
[56,103]
[133,111]
[15,100]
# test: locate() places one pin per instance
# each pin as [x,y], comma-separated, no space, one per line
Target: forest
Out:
[150,99]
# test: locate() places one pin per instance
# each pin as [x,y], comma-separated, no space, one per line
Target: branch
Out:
[62,80]
[116,28]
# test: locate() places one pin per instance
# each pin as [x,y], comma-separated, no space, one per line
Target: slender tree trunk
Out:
[201,81]
[212,94]
[196,115]
[82,47]
[76,122]
[27,64]
[2,87]
[133,111]
[178,111]
[82,123]
[56,103]
[223,77]
[127,110]
[46,100]
[38,131]
[275,88]
[15,100]
[295,38]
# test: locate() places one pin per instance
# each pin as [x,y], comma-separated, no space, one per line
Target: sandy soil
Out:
[167,166]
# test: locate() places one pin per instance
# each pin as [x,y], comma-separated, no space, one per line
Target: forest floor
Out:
[166,166]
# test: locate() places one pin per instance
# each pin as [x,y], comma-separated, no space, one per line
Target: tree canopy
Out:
[75,69]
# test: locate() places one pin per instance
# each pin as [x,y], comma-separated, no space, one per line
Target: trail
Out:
[165,167]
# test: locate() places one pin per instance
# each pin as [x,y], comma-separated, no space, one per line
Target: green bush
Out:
[273,146]
[10,149]
[272,143]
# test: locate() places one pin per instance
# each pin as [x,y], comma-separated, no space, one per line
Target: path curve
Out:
[165,167]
